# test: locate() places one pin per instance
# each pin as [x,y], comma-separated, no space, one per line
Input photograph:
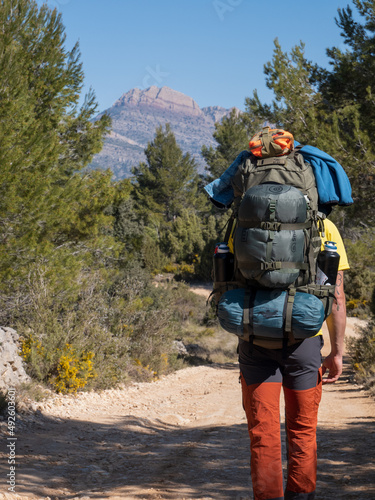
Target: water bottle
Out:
[223,263]
[327,264]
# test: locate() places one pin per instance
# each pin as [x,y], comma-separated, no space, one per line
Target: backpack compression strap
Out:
[274,265]
[248,310]
[288,313]
[275,226]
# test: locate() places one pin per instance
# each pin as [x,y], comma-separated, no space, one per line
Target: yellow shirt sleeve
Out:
[332,234]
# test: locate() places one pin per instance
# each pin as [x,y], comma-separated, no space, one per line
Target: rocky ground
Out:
[181,437]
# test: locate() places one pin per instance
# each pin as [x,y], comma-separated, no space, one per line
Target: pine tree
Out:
[303,110]
[296,106]
[348,90]
[167,183]
[232,137]
[46,140]
[50,211]
[350,79]
[333,111]
[174,211]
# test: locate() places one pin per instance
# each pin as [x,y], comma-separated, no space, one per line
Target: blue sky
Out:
[212,50]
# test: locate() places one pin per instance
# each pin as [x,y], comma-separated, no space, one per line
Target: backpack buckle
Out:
[270,266]
[271,226]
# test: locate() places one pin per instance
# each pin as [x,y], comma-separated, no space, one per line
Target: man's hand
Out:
[334,366]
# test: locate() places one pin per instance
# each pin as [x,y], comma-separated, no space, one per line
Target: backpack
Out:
[272,299]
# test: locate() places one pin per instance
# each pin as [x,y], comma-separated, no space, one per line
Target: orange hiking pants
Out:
[263,373]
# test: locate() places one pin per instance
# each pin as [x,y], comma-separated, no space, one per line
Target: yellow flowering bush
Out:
[164,361]
[356,307]
[73,371]
[179,269]
[170,268]
[127,330]
[28,344]
[145,370]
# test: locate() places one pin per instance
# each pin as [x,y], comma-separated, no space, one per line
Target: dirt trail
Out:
[182,437]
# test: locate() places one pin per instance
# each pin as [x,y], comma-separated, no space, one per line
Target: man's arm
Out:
[336,323]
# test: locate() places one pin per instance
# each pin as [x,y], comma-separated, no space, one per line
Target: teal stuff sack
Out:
[268,314]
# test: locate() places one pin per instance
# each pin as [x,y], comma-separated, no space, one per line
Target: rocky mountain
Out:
[135,116]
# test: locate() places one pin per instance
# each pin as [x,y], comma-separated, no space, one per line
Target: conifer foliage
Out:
[231,137]
[167,183]
[45,139]
[174,210]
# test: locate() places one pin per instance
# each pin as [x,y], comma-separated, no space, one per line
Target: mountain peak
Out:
[136,116]
[160,98]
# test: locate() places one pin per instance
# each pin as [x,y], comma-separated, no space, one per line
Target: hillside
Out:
[135,116]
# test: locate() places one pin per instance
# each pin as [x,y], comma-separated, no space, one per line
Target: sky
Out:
[211,50]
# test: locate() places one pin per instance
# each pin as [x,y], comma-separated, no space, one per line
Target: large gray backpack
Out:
[275,233]
[276,239]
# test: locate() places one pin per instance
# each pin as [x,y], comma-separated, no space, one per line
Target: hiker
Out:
[263,373]
[270,291]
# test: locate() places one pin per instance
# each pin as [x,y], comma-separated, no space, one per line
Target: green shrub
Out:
[152,256]
[360,278]
[362,352]
[94,339]
[181,272]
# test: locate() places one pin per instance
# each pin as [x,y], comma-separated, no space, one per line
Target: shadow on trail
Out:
[99,460]
[139,458]
[346,461]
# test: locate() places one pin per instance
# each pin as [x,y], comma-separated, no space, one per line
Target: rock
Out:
[161,98]
[12,371]
[180,348]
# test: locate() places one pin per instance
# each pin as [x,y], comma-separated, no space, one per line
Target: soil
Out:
[181,437]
